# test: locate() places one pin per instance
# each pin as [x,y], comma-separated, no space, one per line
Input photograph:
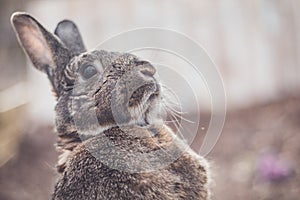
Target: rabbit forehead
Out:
[110,58]
[107,58]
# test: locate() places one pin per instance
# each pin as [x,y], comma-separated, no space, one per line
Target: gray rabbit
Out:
[111,137]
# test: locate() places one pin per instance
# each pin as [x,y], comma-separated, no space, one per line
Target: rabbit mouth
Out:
[143,94]
[155,94]
[144,110]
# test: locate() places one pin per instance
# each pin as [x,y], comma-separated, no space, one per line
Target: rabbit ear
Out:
[69,34]
[43,48]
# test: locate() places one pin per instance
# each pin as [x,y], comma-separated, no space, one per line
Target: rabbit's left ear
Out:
[69,34]
[44,49]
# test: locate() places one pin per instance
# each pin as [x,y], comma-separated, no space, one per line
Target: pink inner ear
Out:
[36,46]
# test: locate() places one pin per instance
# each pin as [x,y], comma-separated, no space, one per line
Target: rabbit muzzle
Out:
[136,92]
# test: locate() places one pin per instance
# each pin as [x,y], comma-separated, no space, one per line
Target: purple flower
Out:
[271,168]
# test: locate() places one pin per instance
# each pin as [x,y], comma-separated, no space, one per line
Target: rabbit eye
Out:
[88,71]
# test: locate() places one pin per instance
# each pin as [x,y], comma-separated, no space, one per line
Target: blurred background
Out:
[255,45]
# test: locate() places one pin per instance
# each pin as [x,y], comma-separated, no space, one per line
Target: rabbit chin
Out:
[148,112]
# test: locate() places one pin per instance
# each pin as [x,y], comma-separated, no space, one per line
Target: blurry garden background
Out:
[256,47]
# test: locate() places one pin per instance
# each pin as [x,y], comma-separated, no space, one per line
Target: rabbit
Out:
[112,140]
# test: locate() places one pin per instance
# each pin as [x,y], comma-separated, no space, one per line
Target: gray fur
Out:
[112,146]
[69,34]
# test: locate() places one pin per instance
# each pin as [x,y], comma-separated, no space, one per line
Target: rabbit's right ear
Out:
[44,49]
[69,34]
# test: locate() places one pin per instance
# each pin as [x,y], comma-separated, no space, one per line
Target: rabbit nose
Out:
[147,70]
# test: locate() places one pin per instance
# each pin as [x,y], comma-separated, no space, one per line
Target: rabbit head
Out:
[96,89]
